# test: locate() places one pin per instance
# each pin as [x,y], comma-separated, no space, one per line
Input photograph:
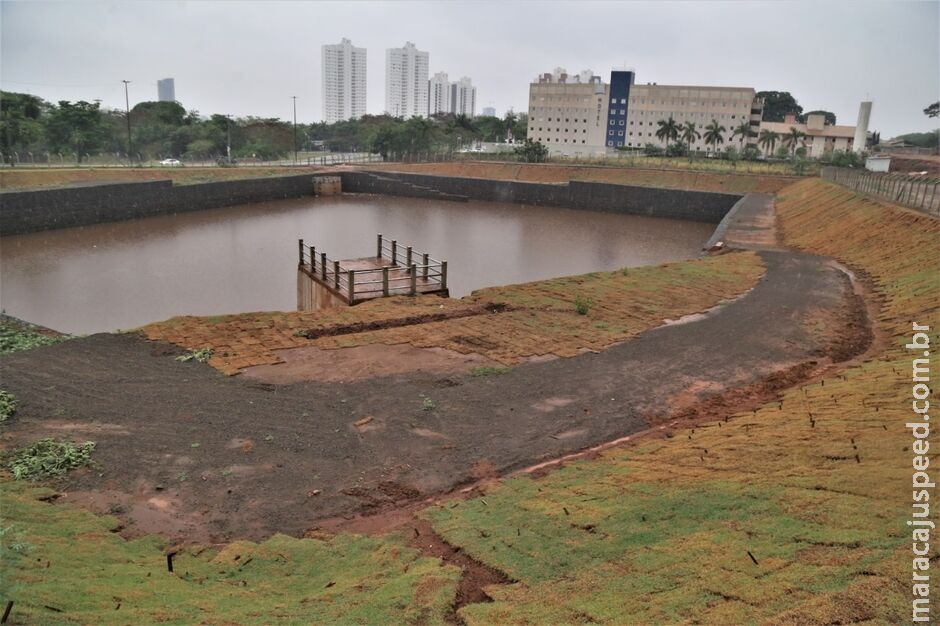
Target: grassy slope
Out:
[548,173]
[661,533]
[63,557]
[21,178]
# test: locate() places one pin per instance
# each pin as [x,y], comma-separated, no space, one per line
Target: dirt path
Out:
[188,452]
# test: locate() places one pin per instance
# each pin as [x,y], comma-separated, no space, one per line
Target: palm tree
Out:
[668,130]
[713,134]
[742,130]
[768,140]
[690,134]
[791,138]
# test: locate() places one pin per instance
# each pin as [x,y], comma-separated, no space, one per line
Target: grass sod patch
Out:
[91,570]
[819,502]
[48,458]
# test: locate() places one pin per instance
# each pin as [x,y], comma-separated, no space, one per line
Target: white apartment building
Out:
[166,90]
[439,94]
[463,97]
[406,82]
[344,81]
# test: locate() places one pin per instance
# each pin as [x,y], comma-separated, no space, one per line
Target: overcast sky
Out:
[249,58]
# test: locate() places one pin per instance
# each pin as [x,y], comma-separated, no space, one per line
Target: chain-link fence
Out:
[920,193]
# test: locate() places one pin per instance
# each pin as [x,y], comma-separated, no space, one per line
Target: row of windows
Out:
[549,140]
[559,130]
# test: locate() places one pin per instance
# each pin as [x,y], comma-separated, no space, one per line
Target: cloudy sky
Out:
[249,58]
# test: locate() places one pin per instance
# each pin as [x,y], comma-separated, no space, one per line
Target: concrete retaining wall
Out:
[46,209]
[700,206]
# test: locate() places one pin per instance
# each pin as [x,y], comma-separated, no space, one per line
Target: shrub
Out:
[48,457]
[7,405]
[582,305]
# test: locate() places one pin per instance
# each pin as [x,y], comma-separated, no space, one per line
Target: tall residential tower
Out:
[463,97]
[406,82]
[344,82]
[438,94]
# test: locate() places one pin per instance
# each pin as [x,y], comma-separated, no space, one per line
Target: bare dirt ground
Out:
[187,452]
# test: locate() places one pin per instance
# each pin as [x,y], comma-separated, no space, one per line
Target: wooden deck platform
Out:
[395,270]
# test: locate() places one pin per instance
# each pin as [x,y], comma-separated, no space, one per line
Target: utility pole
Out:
[127,105]
[295,129]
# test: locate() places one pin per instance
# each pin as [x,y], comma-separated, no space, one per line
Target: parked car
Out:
[171,162]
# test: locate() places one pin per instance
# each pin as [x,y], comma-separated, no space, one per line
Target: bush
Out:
[7,405]
[750,153]
[651,149]
[48,457]
[582,305]
[677,149]
[532,151]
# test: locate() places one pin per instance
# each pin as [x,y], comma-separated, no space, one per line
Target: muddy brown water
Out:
[238,259]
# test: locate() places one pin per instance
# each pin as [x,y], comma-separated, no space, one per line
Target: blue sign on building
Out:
[620,82]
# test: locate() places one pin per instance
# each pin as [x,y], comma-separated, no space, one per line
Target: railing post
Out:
[408,256]
[300,249]
[313,260]
[336,275]
[414,279]
[385,281]
[443,274]
[378,247]
[394,252]
[350,281]
[424,261]
[323,265]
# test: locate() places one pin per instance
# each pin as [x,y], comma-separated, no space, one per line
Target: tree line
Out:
[31,125]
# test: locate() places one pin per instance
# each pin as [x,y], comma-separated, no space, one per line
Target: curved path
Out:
[187,451]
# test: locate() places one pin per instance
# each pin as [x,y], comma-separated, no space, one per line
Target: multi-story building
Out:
[166,90]
[569,117]
[581,115]
[463,97]
[818,137]
[344,81]
[489,112]
[439,94]
[406,82]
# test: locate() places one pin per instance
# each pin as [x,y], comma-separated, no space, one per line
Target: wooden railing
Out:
[408,273]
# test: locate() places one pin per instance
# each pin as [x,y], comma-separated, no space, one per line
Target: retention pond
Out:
[238,259]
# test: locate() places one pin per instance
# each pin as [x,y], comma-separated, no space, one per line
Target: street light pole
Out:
[127,105]
[295,129]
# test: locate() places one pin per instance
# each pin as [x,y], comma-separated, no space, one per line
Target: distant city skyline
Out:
[887,52]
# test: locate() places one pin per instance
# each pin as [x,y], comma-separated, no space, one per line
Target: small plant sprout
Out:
[201,356]
[427,403]
[488,371]
[7,405]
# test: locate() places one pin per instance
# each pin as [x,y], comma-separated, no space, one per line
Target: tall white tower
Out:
[463,97]
[406,82]
[344,81]
[861,127]
[438,94]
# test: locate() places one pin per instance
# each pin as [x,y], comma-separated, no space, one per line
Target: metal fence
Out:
[917,193]
[145,160]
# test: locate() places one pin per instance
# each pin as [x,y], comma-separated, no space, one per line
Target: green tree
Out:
[689,134]
[668,130]
[767,140]
[779,104]
[742,130]
[21,128]
[714,134]
[75,128]
[532,151]
[933,110]
[792,139]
